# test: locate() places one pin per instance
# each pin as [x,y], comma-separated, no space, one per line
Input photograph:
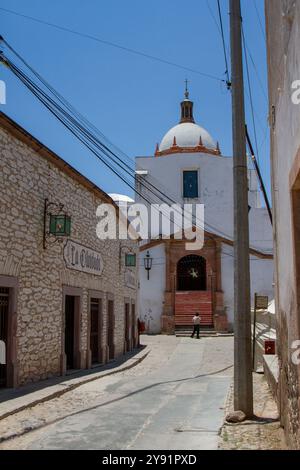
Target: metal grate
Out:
[191,274]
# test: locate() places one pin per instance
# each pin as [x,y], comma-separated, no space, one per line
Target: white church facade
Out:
[188,167]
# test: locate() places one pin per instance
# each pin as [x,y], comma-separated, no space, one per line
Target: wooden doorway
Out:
[110,329]
[4,312]
[72,320]
[127,326]
[191,274]
[70,331]
[133,326]
[96,330]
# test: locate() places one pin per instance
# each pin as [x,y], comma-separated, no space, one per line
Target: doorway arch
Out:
[191,274]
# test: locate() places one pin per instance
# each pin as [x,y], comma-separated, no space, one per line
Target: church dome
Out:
[187,134]
[121,198]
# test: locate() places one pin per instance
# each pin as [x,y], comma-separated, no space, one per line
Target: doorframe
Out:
[12,369]
[95,294]
[127,333]
[110,297]
[76,292]
[133,324]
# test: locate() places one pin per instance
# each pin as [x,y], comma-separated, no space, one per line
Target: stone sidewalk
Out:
[13,401]
[261,433]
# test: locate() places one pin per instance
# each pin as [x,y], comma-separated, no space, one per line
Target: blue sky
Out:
[129,98]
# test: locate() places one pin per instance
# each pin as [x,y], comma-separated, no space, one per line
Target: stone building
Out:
[283,47]
[188,167]
[67,298]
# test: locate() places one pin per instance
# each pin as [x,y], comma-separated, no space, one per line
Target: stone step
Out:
[203,333]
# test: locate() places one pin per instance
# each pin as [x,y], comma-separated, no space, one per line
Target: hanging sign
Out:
[130,279]
[81,258]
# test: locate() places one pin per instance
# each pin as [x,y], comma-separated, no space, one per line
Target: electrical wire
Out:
[70,107]
[71,125]
[257,74]
[112,44]
[228,82]
[250,94]
[77,130]
[213,17]
[259,20]
[148,185]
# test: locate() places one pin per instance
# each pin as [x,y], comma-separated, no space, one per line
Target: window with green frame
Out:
[130,259]
[190,184]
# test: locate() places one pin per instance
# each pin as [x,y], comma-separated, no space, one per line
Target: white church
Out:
[188,167]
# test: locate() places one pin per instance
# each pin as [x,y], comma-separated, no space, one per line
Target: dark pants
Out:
[196,330]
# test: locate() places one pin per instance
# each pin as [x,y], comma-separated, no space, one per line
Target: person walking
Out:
[196,321]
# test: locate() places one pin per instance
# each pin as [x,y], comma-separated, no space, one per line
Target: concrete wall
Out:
[151,292]
[261,275]
[27,179]
[283,40]
[215,192]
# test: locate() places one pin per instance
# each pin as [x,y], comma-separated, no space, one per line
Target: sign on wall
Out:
[81,258]
[130,279]
[261,302]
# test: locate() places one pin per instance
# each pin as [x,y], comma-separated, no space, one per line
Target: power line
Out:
[80,133]
[129,170]
[85,136]
[250,93]
[256,72]
[148,185]
[259,20]
[224,45]
[112,44]
[213,17]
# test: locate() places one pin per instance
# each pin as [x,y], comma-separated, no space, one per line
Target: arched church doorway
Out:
[191,274]
[193,293]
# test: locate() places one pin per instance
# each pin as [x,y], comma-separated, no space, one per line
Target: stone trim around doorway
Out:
[127,325]
[78,356]
[11,348]
[110,351]
[95,294]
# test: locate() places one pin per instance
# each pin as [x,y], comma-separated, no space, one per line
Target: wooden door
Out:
[4,309]
[110,329]
[95,329]
[70,330]
[133,326]
[127,326]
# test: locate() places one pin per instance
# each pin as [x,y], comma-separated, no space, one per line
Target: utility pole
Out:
[243,387]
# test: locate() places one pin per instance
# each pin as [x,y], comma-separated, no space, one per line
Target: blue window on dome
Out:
[190,184]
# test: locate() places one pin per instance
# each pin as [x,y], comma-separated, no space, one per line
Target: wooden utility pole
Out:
[243,387]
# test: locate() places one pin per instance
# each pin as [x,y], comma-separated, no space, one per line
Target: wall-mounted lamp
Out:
[148,264]
[59,222]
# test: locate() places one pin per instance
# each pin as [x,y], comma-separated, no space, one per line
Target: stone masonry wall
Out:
[27,179]
[283,39]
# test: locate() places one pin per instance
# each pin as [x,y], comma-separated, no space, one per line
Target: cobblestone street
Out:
[173,399]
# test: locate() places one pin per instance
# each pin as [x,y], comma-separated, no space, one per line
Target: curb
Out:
[69,388]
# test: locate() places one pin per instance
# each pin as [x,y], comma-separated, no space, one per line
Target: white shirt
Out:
[196,320]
